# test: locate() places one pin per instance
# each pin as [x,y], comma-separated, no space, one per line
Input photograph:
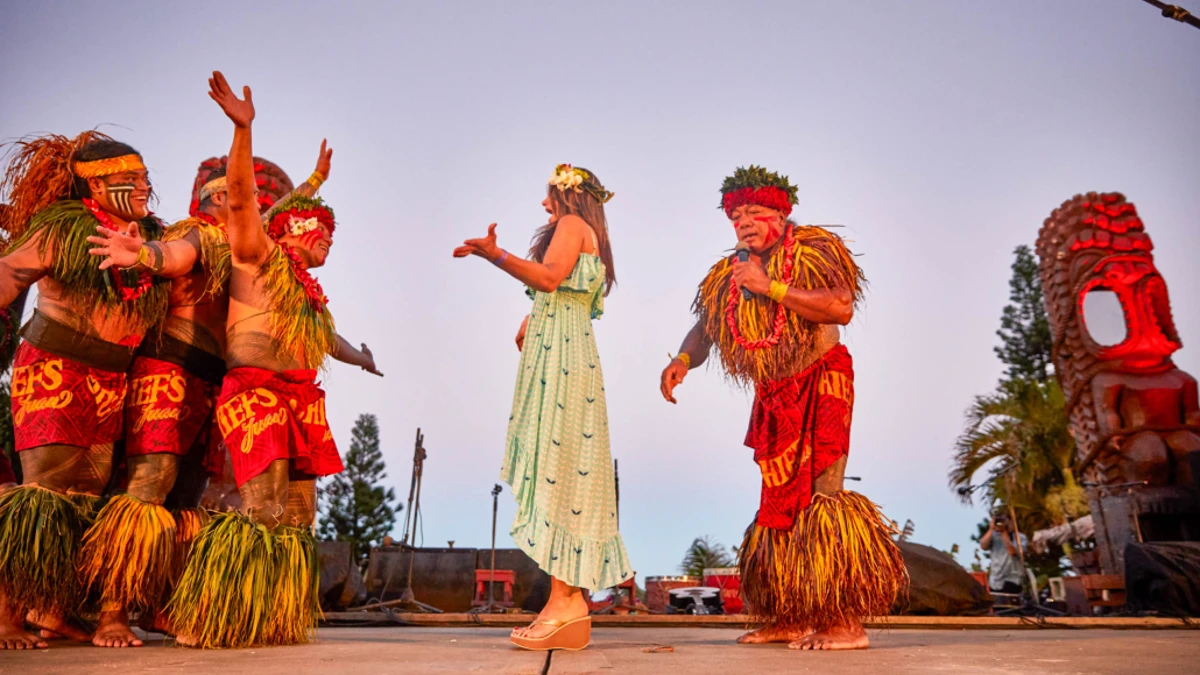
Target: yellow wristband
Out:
[316,179]
[777,291]
[685,359]
[143,259]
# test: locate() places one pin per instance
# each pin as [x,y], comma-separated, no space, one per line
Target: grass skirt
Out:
[838,563]
[40,531]
[128,555]
[245,586]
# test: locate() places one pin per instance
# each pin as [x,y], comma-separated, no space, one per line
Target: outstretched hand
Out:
[324,160]
[484,248]
[239,110]
[118,247]
[369,361]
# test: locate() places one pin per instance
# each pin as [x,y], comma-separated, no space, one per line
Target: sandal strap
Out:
[557,623]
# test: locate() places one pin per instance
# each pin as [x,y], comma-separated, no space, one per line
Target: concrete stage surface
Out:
[624,650]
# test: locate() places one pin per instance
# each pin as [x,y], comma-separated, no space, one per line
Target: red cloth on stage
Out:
[57,401]
[799,426]
[265,416]
[168,408]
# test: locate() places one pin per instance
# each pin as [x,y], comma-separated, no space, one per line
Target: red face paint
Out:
[310,238]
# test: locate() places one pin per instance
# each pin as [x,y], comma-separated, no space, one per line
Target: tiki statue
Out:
[1134,415]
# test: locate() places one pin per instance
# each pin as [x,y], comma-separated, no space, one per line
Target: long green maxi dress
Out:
[557,460]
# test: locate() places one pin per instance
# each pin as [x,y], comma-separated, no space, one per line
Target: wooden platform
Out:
[741,620]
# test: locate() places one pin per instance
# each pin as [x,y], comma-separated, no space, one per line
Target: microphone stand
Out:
[491,606]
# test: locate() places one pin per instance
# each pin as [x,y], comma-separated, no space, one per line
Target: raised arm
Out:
[985,542]
[319,175]
[21,268]
[545,276]
[248,241]
[168,259]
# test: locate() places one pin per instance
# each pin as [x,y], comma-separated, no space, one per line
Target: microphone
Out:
[743,255]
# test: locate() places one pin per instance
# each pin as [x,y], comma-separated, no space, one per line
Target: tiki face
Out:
[1108,258]
[1150,336]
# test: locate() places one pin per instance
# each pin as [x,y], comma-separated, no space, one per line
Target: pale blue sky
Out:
[941,133]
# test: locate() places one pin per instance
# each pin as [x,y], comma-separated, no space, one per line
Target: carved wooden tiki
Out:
[1134,415]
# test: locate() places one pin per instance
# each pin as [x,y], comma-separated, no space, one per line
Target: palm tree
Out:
[1021,436]
[704,554]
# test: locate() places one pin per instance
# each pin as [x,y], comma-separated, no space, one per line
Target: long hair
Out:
[587,207]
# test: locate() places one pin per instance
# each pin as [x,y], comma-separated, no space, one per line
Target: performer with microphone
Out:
[817,558]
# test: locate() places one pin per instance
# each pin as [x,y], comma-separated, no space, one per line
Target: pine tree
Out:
[1024,328]
[357,508]
[1020,435]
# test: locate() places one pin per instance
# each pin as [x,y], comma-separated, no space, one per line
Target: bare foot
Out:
[57,627]
[834,639]
[564,610]
[114,631]
[769,634]
[186,641]
[16,637]
[155,622]
[12,629]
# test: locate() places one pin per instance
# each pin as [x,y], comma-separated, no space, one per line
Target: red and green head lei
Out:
[756,185]
[297,215]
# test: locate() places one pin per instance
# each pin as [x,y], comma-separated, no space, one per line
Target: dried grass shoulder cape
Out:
[820,259]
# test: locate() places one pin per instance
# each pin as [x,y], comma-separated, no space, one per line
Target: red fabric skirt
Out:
[799,426]
[168,408]
[266,416]
[57,401]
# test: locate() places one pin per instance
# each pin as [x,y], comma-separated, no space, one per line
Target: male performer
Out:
[252,578]
[135,550]
[69,375]
[817,559]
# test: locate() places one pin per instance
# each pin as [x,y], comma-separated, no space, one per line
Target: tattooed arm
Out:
[20,269]
[169,259]
[248,241]
[362,358]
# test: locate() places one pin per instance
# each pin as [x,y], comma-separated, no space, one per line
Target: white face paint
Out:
[120,198]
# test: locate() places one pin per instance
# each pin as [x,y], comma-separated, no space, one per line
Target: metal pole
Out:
[1173,12]
[492,575]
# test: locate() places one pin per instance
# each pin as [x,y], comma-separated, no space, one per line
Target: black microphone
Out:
[743,255]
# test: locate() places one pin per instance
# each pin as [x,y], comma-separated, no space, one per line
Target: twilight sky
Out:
[940,133]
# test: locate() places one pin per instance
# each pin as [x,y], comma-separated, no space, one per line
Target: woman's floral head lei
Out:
[567,177]
[298,214]
[756,185]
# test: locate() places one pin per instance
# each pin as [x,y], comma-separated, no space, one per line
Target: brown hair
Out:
[591,210]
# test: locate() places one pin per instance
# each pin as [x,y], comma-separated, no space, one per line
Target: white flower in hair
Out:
[297,227]
[566,177]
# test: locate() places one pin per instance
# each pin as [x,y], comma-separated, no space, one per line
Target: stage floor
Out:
[622,650]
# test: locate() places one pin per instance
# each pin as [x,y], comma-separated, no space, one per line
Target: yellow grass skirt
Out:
[837,563]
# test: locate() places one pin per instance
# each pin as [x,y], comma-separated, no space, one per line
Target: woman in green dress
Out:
[557,459]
